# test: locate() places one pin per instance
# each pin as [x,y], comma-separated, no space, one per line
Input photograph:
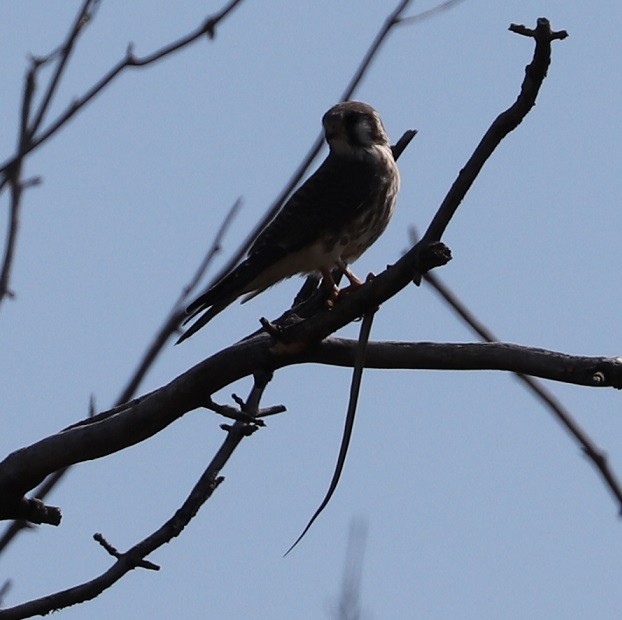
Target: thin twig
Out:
[349,604]
[13,178]
[506,122]
[443,6]
[135,556]
[83,17]
[168,327]
[207,28]
[4,589]
[563,416]
[355,386]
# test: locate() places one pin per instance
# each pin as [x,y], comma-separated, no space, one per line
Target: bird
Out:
[327,223]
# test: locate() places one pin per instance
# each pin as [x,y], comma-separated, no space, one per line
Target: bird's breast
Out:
[370,220]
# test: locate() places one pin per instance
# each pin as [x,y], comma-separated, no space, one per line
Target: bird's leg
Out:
[331,288]
[355,283]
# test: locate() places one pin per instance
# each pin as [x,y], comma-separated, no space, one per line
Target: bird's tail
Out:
[222,294]
[210,312]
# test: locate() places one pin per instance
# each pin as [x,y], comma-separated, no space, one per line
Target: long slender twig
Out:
[443,6]
[130,60]
[135,556]
[355,387]
[30,137]
[168,327]
[564,417]
[13,178]
[171,324]
[83,17]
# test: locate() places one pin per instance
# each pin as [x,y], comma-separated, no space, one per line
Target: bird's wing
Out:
[322,205]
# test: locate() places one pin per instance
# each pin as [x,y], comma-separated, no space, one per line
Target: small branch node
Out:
[271,328]
[266,411]
[249,429]
[239,401]
[541,32]
[232,413]
[130,59]
[210,28]
[400,146]
[99,537]
[35,511]
[430,255]
[598,378]
[139,562]
[32,182]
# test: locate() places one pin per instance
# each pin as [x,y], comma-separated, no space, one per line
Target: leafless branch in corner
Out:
[135,556]
[596,455]
[31,134]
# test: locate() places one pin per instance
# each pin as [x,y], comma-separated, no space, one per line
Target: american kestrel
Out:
[328,222]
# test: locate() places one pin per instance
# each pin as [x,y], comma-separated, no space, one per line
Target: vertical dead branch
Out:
[355,386]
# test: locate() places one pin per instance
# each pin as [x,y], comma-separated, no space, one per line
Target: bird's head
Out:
[353,128]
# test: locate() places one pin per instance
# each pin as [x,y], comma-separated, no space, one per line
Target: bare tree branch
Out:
[105,434]
[552,365]
[355,386]
[588,446]
[13,178]
[10,170]
[170,325]
[506,122]
[135,556]
[207,28]
[349,605]
[84,16]
[24,469]
[32,509]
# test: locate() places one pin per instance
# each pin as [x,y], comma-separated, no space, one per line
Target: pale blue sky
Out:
[478,504]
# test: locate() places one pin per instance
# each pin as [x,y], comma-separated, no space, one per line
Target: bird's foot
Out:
[356,284]
[333,295]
